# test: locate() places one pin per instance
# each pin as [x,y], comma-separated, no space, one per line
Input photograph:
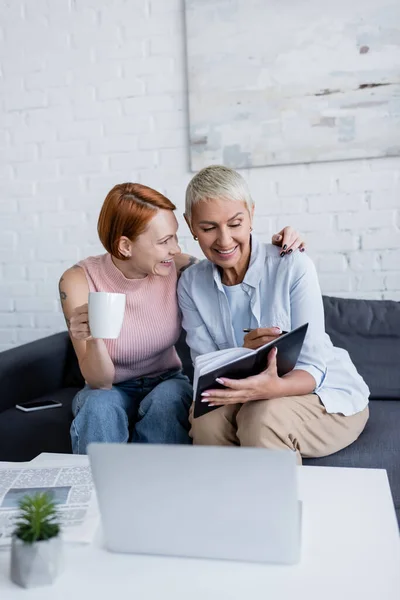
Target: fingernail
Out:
[282,254]
[277,329]
[211,404]
[205,394]
[205,400]
[221,381]
[285,246]
[290,251]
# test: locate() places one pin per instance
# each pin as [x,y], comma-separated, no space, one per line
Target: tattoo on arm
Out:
[63,295]
[192,261]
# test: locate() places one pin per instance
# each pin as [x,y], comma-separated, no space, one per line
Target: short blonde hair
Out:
[214,182]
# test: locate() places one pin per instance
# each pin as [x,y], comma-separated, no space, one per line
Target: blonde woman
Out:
[318,408]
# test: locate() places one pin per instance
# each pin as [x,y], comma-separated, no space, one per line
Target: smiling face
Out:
[152,253]
[223,229]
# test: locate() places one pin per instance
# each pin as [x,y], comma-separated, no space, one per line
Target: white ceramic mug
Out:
[106,314]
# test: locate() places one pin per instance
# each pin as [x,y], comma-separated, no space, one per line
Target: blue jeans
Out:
[157,408]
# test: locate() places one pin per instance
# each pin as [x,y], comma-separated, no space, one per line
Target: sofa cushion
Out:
[32,370]
[376,448]
[370,331]
[25,435]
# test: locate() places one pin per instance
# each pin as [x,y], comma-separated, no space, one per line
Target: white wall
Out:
[93,92]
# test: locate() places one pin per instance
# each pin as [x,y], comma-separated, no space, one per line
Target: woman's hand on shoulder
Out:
[183,262]
[289,240]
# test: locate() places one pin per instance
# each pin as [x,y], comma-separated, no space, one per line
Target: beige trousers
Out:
[299,423]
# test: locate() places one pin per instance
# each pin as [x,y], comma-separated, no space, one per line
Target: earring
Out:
[196,239]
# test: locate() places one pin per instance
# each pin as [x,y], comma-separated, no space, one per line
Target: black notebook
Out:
[238,363]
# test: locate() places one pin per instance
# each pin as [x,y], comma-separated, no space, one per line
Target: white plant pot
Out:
[35,564]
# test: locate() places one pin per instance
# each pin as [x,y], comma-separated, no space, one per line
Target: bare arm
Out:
[94,361]
[183,262]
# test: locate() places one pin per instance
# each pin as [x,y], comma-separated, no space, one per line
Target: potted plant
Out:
[36,542]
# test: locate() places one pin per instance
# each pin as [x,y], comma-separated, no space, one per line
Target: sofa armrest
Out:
[32,370]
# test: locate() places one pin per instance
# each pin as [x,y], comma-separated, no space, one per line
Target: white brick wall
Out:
[92,94]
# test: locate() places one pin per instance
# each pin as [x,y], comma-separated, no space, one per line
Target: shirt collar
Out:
[254,271]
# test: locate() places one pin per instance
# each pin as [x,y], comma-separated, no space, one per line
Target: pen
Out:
[248,331]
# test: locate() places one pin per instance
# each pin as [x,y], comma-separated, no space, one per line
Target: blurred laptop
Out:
[198,501]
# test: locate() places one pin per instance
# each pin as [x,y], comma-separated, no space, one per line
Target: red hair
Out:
[126,211]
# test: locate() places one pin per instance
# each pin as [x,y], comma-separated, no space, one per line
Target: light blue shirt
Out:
[239,305]
[283,292]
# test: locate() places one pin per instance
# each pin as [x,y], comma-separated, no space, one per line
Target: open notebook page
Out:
[212,360]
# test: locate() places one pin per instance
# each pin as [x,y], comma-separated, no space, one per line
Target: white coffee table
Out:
[350,550]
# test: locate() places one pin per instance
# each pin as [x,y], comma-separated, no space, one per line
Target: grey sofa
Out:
[369,330]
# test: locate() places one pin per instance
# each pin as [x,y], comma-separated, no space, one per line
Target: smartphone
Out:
[37,405]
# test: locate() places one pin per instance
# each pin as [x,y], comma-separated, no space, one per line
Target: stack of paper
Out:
[67,478]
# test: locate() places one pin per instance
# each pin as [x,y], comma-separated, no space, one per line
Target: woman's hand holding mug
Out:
[78,324]
[101,318]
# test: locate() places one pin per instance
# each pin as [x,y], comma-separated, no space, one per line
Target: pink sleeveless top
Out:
[151,325]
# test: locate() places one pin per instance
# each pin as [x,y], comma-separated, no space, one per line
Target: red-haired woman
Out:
[135,380]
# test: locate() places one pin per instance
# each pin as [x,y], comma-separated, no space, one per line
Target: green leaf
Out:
[37,519]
